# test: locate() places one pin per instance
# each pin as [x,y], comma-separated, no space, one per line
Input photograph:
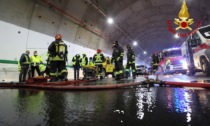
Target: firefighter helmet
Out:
[128,47]
[98,51]
[58,36]
[115,43]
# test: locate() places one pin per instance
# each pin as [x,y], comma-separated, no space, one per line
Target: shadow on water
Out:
[146,106]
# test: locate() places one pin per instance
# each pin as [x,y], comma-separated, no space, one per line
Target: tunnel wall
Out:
[24,24]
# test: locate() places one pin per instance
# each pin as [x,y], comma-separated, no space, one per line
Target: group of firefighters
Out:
[57,58]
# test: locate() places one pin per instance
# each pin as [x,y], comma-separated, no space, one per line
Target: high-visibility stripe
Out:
[52,74]
[120,71]
[63,71]
[201,47]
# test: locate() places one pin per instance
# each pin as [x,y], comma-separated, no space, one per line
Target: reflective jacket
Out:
[98,59]
[168,62]
[118,54]
[76,60]
[130,56]
[83,61]
[91,63]
[42,67]
[36,60]
[58,51]
[24,59]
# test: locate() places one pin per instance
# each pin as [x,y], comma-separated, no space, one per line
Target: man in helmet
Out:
[117,56]
[58,54]
[130,62]
[98,60]
[24,66]
[154,63]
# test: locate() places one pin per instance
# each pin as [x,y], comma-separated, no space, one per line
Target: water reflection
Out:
[145,101]
[182,100]
[130,107]
[55,106]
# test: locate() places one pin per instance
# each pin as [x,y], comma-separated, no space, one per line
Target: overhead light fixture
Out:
[135,43]
[176,36]
[145,52]
[110,20]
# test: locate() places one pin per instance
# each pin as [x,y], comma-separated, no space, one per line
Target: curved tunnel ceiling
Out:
[142,20]
[146,21]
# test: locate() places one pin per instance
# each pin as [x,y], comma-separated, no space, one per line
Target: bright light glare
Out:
[176,36]
[135,43]
[145,52]
[110,20]
[184,64]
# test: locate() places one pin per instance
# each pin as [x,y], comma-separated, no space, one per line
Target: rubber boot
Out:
[134,75]
[126,76]
[117,77]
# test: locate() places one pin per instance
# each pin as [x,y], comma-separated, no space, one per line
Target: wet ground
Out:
[132,106]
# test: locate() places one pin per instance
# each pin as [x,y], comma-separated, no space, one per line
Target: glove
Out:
[119,58]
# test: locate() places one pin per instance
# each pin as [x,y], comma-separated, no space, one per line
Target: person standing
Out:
[130,62]
[117,56]
[154,63]
[76,65]
[36,60]
[58,54]
[98,60]
[83,60]
[24,66]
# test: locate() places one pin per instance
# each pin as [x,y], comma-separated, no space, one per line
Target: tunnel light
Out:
[135,43]
[176,36]
[110,20]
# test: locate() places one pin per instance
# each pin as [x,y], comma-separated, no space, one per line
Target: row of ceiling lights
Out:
[111,21]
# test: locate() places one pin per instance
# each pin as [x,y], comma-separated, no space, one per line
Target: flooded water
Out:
[156,106]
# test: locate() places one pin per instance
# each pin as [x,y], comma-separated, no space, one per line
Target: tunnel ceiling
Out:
[142,20]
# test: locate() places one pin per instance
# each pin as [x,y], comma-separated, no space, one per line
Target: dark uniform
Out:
[58,55]
[98,60]
[76,65]
[117,56]
[155,62]
[25,64]
[130,62]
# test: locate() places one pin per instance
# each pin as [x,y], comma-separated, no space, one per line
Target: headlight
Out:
[184,64]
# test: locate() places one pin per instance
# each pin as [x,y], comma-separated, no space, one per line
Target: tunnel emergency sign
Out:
[184,22]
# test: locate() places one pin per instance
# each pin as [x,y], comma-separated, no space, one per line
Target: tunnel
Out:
[105,62]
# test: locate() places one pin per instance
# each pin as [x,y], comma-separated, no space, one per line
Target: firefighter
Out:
[76,65]
[108,60]
[58,58]
[154,63]
[91,63]
[83,60]
[98,60]
[130,62]
[168,63]
[117,57]
[24,65]
[36,60]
